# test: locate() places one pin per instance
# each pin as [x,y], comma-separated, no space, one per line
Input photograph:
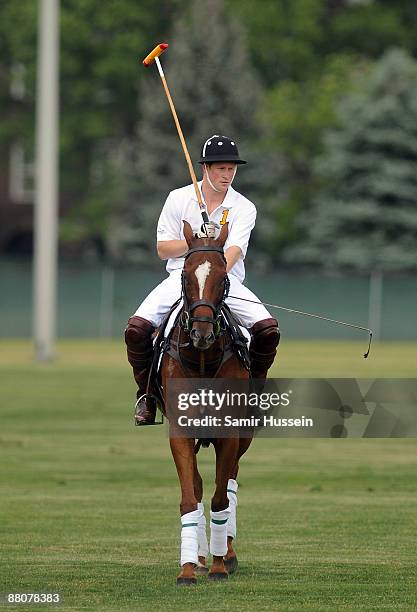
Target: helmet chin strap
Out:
[208,178]
[211,184]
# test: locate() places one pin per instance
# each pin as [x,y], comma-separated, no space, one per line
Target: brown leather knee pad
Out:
[138,338]
[263,347]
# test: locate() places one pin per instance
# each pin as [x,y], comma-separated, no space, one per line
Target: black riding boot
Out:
[138,337]
[262,349]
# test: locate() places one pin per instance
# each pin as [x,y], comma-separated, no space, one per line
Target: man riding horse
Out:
[219,158]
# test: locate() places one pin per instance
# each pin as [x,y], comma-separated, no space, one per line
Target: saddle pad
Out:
[171,320]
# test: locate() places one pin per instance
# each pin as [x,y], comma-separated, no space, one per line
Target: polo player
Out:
[220,159]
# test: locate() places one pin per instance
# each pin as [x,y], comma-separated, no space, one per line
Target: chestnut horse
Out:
[198,338]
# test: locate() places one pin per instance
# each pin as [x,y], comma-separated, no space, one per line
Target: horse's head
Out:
[205,286]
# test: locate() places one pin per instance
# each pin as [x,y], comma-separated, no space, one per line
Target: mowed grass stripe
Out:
[89,504]
[311,358]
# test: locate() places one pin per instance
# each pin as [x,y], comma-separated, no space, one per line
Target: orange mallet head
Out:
[155,53]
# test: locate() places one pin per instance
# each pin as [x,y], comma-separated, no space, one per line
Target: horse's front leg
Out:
[226,456]
[230,559]
[183,453]
[202,534]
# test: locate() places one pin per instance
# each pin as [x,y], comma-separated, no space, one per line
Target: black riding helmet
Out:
[220,149]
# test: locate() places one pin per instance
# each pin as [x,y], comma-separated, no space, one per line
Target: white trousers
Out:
[160,300]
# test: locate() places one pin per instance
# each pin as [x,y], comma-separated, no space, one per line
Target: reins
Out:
[188,319]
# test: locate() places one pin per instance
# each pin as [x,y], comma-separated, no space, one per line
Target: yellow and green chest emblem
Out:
[224,217]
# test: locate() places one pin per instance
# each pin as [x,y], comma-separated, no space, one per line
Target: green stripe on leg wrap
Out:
[217,522]
[231,491]
[190,525]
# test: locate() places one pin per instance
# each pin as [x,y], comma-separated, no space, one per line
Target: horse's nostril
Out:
[195,334]
[210,337]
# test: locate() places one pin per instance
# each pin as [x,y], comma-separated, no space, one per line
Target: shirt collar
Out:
[228,201]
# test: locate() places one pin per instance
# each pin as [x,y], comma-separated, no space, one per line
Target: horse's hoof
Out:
[185,581]
[218,576]
[230,564]
[201,569]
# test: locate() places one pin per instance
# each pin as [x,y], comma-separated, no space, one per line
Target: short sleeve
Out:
[169,223]
[241,229]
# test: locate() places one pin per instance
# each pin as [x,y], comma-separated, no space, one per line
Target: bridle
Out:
[187,319]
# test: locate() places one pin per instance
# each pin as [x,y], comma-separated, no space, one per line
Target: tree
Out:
[296,114]
[100,44]
[214,91]
[365,216]
[305,51]
[292,41]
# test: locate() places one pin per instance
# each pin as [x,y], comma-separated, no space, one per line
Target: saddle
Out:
[237,344]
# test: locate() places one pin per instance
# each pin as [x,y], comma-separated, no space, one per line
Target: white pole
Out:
[46,208]
[375,304]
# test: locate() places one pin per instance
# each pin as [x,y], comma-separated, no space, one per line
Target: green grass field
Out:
[89,504]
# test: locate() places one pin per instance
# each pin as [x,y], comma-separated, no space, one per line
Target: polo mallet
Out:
[315,316]
[154,55]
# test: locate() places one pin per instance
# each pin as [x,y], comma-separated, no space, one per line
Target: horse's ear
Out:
[188,233]
[222,237]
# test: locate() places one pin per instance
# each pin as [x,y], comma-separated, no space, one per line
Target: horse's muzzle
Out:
[201,342]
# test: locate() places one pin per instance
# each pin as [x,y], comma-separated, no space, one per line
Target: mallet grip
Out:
[155,53]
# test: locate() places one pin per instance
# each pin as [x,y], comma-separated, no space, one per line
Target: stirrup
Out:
[146,396]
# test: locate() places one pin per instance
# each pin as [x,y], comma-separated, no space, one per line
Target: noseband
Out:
[188,319]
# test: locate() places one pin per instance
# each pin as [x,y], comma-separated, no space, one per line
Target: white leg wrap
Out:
[218,532]
[232,488]
[189,537]
[202,535]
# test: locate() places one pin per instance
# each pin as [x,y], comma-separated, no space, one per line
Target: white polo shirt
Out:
[181,204]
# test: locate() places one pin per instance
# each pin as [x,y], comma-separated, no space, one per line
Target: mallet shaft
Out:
[182,140]
[154,56]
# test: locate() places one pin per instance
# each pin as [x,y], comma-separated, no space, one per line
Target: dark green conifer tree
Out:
[365,216]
